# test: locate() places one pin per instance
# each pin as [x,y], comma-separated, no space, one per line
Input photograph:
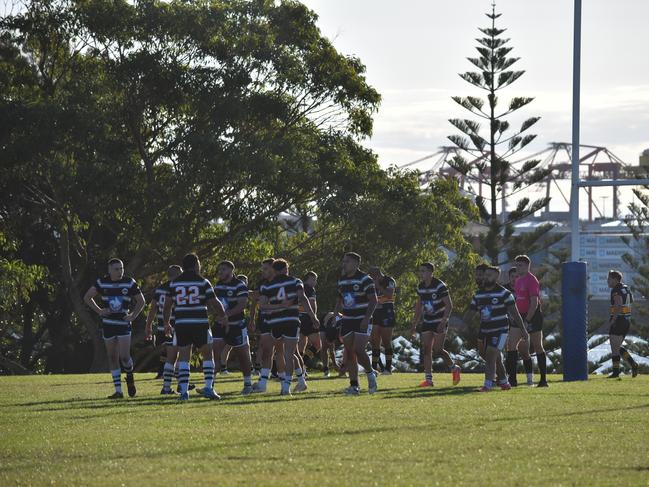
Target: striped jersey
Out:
[431,297]
[309,292]
[229,294]
[492,305]
[386,282]
[261,315]
[116,296]
[282,288]
[624,292]
[159,296]
[355,292]
[190,292]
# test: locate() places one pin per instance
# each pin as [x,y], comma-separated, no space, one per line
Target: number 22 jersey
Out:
[190,292]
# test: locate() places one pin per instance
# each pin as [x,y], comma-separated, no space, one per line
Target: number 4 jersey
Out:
[190,292]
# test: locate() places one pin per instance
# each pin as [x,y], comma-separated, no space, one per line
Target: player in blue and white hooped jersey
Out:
[356,302]
[122,302]
[432,311]
[233,295]
[281,298]
[191,296]
[156,314]
[259,323]
[383,319]
[496,306]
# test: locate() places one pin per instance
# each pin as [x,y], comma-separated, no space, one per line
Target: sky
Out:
[414,50]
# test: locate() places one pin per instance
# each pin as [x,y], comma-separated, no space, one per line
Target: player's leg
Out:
[427,347]
[491,355]
[218,346]
[238,341]
[224,356]
[290,347]
[616,344]
[375,344]
[207,351]
[511,362]
[112,351]
[536,339]
[324,353]
[528,365]
[350,361]
[280,361]
[312,349]
[126,361]
[184,355]
[386,340]
[170,362]
[363,359]
[266,348]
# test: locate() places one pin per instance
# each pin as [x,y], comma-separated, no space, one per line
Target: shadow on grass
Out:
[578,413]
[414,393]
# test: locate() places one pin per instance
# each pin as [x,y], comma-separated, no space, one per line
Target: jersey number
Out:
[281,294]
[187,295]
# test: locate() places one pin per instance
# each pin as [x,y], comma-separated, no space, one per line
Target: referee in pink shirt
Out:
[528,301]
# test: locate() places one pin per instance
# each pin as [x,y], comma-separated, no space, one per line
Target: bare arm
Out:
[339,306]
[88,298]
[371,306]
[306,303]
[518,320]
[534,303]
[148,328]
[418,314]
[617,307]
[166,315]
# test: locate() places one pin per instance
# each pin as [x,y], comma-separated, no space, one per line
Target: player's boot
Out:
[259,387]
[167,392]
[300,387]
[352,391]
[211,394]
[326,374]
[116,395]
[456,372]
[386,372]
[426,383]
[505,386]
[484,389]
[542,383]
[184,397]
[247,390]
[130,385]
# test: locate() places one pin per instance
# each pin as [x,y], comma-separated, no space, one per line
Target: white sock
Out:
[530,377]
[183,376]
[208,373]
[247,380]
[265,373]
[488,383]
[282,376]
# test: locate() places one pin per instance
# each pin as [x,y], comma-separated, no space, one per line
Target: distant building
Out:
[644,158]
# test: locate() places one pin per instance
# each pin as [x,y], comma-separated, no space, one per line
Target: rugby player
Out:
[620,322]
[382,319]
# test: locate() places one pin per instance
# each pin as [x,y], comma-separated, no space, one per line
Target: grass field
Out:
[60,430]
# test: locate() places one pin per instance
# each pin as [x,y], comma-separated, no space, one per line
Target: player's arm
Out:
[239,308]
[139,306]
[371,306]
[166,315]
[148,328]
[534,303]
[254,300]
[89,299]
[388,292]
[448,307]
[419,308]
[339,306]
[512,310]
[306,303]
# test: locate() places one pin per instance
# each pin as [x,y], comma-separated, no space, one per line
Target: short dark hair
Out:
[268,261]
[511,269]
[428,265]
[310,274]
[115,260]
[494,268]
[617,275]
[354,256]
[280,265]
[481,267]
[190,261]
[174,269]
[242,277]
[227,263]
[522,258]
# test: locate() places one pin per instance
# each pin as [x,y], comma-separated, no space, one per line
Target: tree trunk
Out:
[13,367]
[99,358]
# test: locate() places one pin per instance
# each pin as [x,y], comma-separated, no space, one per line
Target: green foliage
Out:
[490,155]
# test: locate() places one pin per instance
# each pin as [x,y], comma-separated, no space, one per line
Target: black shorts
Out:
[263,326]
[112,331]
[162,339]
[432,327]
[306,325]
[537,322]
[237,335]
[620,326]
[197,335]
[353,326]
[384,317]
[285,330]
[497,340]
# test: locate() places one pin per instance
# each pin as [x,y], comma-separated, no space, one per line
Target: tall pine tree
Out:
[488,155]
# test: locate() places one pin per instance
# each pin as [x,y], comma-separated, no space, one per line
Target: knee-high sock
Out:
[117,379]
[616,364]
[167,375]
[376,355]
[540,358]
[208,373]
[388,358]
[128,366]
[183,376]
[511,364]
[627,356]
